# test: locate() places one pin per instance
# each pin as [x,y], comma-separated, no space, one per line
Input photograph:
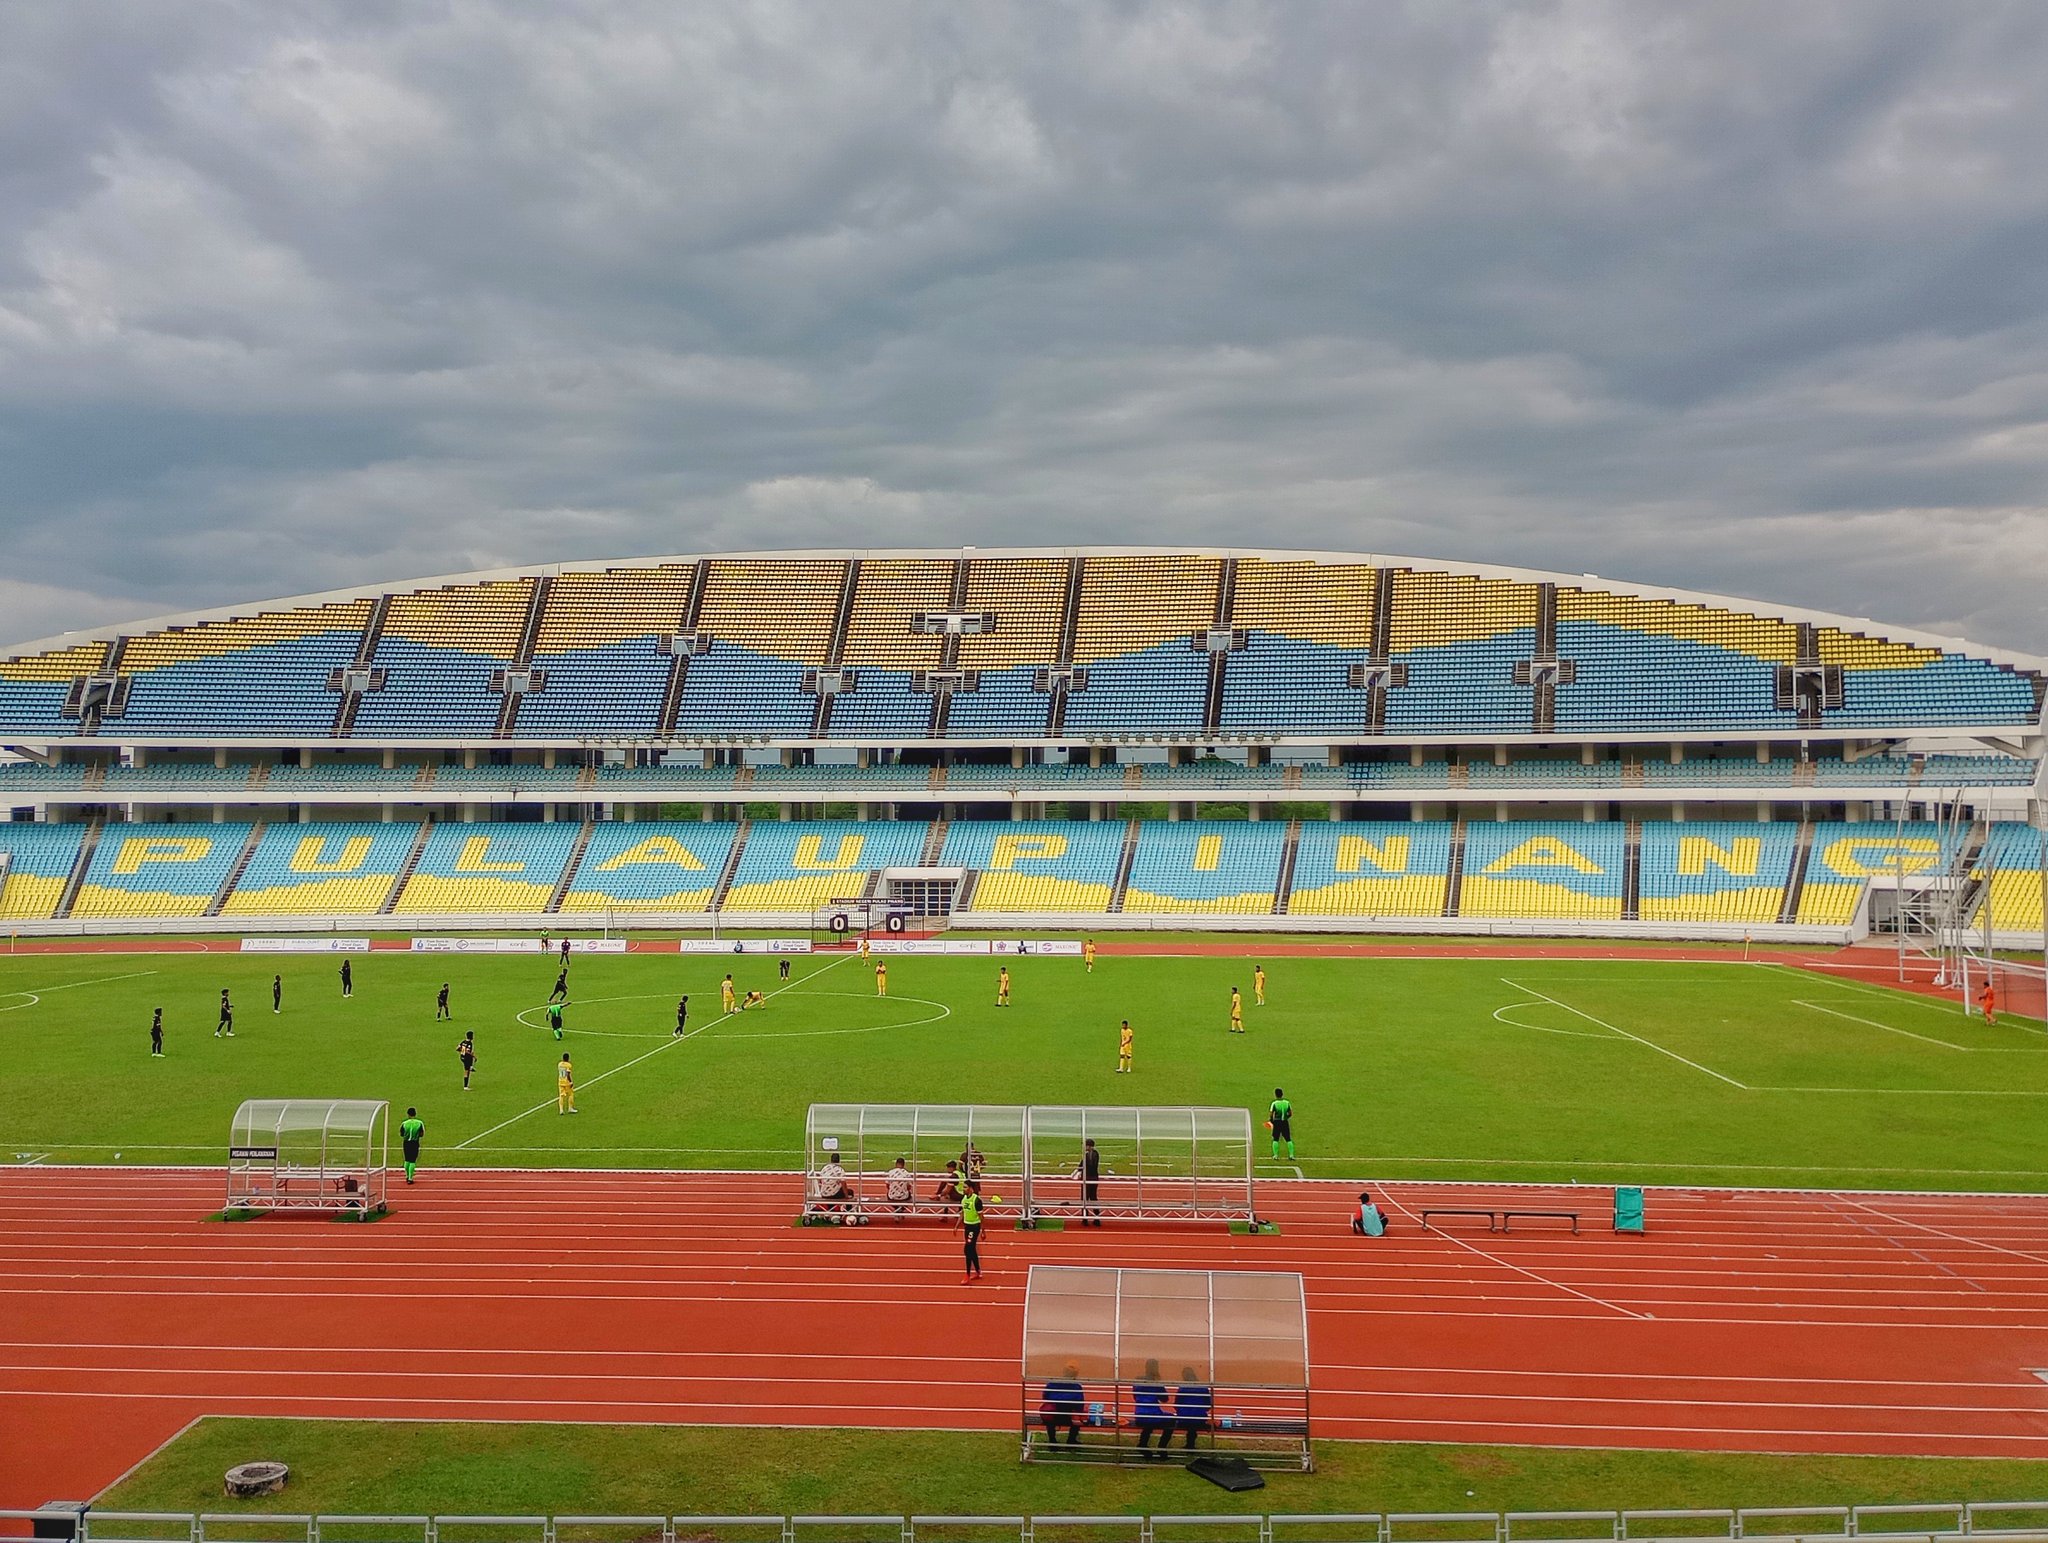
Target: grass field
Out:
[361,1466]
[1461,1068]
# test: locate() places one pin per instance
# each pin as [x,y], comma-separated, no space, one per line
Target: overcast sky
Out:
[1747,298]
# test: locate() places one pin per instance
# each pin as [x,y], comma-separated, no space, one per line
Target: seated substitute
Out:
[1367,1221]
[900,1188]
[1193,1403]
[1060,1408]
[831,1187]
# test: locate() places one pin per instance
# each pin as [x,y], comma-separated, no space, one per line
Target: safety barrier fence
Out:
[2012,1521]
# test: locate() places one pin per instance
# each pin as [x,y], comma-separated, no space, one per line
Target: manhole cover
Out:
[256,1478]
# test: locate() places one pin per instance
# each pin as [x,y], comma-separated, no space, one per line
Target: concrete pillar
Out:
[1500,755]
[138,756]
[1415,755]
[861,759]
[1678,814]
[710,760]
[1763,812]
[1586,814]
[1094,810]
[1677,753]
[220,815]
[547,758]
[220,758]
[469,760]
[469,811]
[784,812]
[1763,752]
[386,812]
[1173,812]
[1500,810]
[1254,811]
[390,758]
[1585,755]
[547,813]
[628,813]
[1095,755]
[306,813]
[1016,756]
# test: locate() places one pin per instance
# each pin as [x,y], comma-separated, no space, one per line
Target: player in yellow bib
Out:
[565,1086]
[727,1002]
[1003,986]
[1236,1011]
[1088,954]
[1258,985]
[1123,1047]
[881,980]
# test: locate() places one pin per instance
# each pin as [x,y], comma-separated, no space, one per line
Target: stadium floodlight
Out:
[1228,1348]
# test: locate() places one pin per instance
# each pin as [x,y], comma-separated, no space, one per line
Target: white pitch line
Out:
[1513,1023]
[1925,1039]
[670,1044]
[1555,1285]
[36,994]
[1624,1033]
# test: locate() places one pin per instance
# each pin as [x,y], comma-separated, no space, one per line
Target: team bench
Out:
[1499,1218]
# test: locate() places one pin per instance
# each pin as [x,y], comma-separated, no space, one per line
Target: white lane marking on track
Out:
[1624,1033]
[1616,1307]
[1896,993]
[36,994]
[672,1041]
[1953,1237]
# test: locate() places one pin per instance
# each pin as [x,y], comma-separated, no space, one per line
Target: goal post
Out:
[310,1154]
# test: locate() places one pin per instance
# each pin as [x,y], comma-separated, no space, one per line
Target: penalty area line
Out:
[1624,1033]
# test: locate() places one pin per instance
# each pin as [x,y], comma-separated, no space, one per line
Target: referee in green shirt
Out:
[1280,1120]
[410,1130]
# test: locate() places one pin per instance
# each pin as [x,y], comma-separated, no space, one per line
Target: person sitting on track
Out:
[947,1191]
[1059,1409]
[1367,1221]
[832,1190]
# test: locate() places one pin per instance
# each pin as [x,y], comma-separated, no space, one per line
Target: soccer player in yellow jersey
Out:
[1123,1047]
[1236,1011]
[726,999]
[565,1086]
[881,979]
[1003,986]
[863,945]
[1088,954]
[1258,985]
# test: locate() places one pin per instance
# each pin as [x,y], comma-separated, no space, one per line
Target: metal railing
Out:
[2008,1521]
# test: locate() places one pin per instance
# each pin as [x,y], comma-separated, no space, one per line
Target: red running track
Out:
[1766,1320]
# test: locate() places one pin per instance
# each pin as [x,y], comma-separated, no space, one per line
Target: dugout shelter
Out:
[1157,1163]
[309,1154]
[1219,1356]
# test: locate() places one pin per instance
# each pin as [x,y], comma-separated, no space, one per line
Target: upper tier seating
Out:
[798,866]
[1138,618]
[255,675]
[1715,871]
[2011,860]
[33,687]
[882,651]
[1460,638]
[1305,625]
[439,649]
[1371,868]
[488,868]
[334,867]
[1623,662]
[1037,865]
[599,651]
[766,622]
[650,866]
[1205,867]
[40,860]
[1846,857]
[159,870]
[1027,597]
[1534,869]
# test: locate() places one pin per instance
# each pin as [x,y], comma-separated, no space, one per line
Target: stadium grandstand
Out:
[1101,738]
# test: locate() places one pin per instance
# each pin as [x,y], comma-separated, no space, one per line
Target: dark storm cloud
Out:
[1747,298]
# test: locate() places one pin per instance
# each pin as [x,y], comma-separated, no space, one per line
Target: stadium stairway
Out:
[1632,874]
[1283,887]
[86,846]
[1454,884]
[1123,868]
[569,868]
[732,866]
[227,885]
[412,863]
[1795,885]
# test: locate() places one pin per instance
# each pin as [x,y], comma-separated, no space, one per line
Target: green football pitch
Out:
[1470,1068]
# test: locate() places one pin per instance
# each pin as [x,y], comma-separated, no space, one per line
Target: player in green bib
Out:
[1280,1120]
[555,1018]
[410,1130]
